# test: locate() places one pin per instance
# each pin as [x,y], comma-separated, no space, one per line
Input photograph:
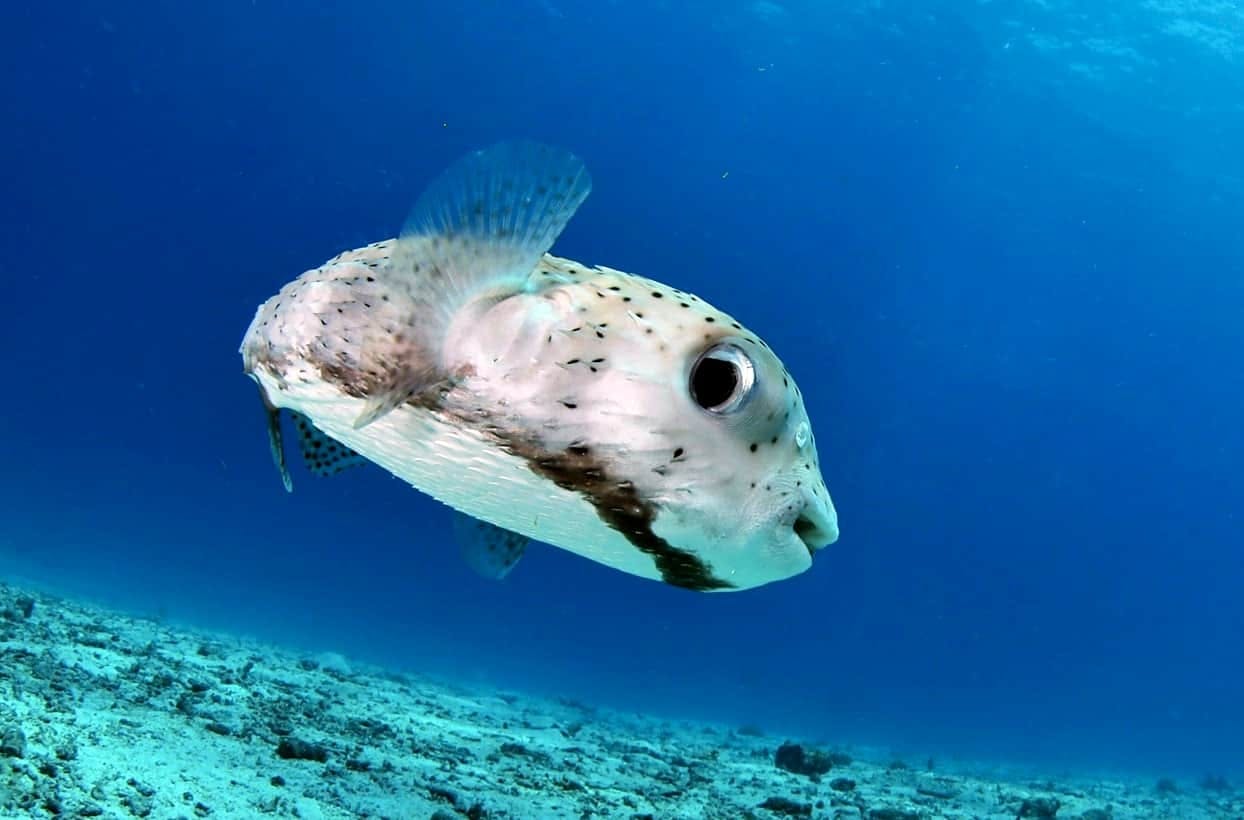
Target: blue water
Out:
[1000,246]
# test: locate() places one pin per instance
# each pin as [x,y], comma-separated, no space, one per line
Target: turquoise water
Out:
[998,244]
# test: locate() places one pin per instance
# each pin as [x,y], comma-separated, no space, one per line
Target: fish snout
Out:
[817,523]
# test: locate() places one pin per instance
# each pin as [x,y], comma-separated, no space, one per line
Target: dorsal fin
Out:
[323,456]
[488,549]
[479,229]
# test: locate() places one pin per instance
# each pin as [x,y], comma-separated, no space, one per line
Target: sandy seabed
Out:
[107,715]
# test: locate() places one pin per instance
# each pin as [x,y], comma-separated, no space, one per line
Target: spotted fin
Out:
[323,456]
[488,549]
[479,229]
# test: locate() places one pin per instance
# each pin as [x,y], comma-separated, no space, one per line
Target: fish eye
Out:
[722,378]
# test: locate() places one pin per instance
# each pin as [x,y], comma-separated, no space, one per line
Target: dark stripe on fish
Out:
[577,469]
[619,505]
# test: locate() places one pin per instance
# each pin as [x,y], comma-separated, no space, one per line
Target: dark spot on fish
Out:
[753,447]
[678,452]
[656,294]
[709,319]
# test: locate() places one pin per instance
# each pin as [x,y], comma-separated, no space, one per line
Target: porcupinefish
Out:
[601,412]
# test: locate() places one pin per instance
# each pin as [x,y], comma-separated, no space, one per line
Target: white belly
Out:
[461,467]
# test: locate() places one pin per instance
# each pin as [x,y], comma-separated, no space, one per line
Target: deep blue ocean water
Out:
[999,244]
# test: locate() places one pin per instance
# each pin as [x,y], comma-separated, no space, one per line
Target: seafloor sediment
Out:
[106,715]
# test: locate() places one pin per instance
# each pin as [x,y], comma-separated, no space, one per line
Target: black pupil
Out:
[713,383]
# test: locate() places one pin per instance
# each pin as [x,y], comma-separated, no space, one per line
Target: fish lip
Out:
[816,528]
[801,526]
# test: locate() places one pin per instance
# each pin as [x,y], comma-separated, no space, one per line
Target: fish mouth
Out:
[816,528]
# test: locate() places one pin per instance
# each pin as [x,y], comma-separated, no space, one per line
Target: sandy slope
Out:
[104,715]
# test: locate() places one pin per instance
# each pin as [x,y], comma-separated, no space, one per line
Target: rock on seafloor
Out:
[108,715]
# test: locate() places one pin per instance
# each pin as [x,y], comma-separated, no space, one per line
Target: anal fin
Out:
[488,549]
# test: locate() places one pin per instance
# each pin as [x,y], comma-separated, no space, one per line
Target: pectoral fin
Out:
[276,443]
[323,456]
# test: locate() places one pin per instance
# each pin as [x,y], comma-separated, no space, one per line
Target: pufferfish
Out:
[544,400]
